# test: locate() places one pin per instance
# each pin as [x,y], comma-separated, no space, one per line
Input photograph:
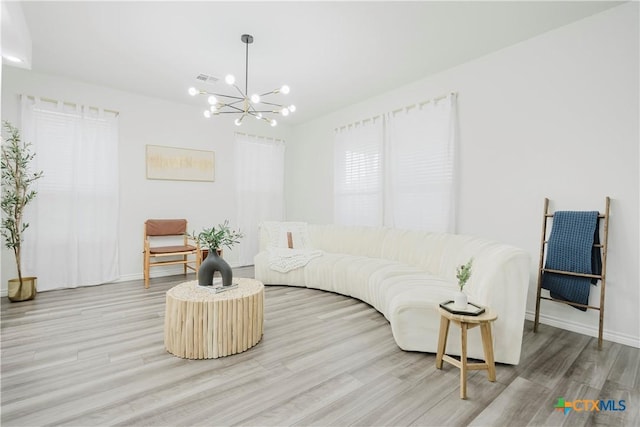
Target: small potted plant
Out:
[217,238]
[213,239]
[17,192]
[463,273]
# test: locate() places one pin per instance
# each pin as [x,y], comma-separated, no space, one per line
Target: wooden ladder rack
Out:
[604,217]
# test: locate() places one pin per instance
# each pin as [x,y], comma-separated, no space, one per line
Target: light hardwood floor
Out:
[95,356]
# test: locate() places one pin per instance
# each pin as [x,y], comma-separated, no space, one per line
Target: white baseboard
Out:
[154,272]
[583,329]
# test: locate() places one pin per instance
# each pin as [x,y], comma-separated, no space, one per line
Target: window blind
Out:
[358,178]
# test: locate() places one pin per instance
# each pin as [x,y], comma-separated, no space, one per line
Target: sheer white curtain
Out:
[73,234]
[420,193]
[398,170]
[259,186]
[358,173]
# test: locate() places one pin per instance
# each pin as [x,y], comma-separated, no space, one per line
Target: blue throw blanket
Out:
[571,248]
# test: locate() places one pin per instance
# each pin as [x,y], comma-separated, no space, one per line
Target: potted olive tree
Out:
[17,180]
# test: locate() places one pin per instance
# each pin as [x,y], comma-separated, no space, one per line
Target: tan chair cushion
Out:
[169,249]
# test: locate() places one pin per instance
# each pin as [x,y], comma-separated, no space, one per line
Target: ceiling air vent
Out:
[206,79]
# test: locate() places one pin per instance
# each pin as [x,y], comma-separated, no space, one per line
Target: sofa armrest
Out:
[503,286]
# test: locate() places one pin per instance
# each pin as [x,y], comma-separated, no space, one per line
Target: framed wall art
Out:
[179,164]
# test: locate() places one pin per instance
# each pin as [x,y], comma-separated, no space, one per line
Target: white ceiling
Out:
[331,54]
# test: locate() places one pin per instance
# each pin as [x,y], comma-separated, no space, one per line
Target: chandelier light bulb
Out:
[241,102]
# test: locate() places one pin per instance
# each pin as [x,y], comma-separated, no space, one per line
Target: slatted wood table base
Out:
[200,324]
[467,322]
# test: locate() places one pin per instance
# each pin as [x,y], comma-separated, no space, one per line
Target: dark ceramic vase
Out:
[212,263]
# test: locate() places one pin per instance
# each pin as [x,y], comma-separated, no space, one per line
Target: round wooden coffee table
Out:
[201,324]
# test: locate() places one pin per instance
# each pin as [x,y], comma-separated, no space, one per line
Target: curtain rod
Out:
[370,119]
[436,99]
[117,113]
[373,118]
[260,137]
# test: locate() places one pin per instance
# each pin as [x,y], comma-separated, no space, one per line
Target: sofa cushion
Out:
[415,322]
[362,241]
[341,273]
[293,235]
[384,288]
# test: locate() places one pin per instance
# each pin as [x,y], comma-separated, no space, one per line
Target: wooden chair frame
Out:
[178,254]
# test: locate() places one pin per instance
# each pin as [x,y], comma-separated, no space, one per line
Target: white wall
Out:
[142,121]
[555,116]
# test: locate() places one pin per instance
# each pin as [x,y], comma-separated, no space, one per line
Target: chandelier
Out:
[255,105]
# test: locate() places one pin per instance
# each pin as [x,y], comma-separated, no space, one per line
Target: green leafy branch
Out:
[216,238]
[463,273]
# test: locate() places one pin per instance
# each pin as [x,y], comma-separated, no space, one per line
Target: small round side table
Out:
[467,322]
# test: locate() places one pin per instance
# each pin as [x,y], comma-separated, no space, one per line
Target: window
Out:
[398,170]
[73,236]
[358,174]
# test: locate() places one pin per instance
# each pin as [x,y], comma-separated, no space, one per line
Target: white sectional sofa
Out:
[404,275]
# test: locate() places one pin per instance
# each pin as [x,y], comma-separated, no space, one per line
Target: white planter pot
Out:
[460,300]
